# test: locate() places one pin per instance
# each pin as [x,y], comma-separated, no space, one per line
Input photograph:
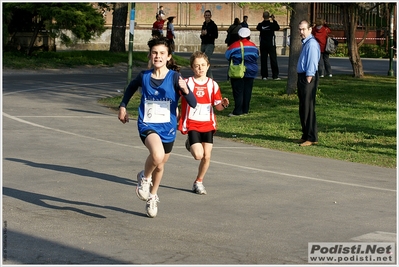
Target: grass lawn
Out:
[70,59]
[356,119]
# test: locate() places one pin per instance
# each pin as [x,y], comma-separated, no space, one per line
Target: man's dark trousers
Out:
[307,103]
[265,51]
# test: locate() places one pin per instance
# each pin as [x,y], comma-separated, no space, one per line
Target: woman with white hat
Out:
[242,87]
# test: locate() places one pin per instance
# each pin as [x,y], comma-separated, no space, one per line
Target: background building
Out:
[374,26]
[188,22]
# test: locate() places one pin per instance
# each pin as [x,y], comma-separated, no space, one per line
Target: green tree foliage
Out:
[83,20]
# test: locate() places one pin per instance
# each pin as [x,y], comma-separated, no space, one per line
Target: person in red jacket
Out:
[158,25]
[320,31]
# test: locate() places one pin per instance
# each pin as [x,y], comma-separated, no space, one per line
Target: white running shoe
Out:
[143,186]
[199,188]
[152,206]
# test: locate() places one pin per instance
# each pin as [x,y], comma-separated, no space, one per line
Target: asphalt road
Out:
[69,169]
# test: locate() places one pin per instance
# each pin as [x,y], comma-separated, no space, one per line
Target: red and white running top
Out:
[201,118]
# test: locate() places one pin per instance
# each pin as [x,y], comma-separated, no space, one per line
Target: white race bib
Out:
[200,113]
[156,111]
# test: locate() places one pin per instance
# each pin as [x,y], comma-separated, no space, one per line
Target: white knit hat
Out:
[244,32]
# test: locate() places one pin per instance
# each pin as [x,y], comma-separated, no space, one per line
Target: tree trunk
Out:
[38,26]
[300,11]
[350,19]
[119,28]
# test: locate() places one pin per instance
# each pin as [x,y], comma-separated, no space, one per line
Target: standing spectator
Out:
[158,24]
[232,32]
[244,23]
[155,34]
[199,123]
[308,80]
[209,32]
[170,33]
[161,12]
[268,45]
[242,87]
[162,88]
[321,32]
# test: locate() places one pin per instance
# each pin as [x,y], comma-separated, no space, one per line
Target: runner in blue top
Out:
[157,122]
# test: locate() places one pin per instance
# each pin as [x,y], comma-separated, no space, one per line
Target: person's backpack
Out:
[331,45]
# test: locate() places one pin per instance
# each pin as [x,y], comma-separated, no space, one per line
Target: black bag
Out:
[227,41]
[331,45]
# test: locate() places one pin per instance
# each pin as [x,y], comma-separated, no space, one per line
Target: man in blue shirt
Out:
[308,80]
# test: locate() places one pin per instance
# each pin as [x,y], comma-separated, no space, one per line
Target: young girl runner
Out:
[157,123]
[200,122]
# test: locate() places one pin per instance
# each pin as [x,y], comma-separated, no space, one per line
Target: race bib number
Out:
[200,113]
[156,111]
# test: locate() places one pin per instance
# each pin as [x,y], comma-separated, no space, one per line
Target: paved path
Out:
[69,170]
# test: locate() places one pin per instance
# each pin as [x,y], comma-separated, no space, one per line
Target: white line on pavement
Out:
[213,162]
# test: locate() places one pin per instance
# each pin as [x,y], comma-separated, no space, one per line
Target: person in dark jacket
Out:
[232,31]
[268,45]
[209,32]
[242,87]
[244,23]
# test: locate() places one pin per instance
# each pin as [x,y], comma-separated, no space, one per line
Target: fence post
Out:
[391,48]
[131,35]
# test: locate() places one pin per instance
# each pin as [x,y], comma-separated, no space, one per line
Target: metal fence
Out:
[369,17]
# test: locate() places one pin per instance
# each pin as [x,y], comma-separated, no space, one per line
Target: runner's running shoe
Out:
[199,188]
[143,186]
[152,206]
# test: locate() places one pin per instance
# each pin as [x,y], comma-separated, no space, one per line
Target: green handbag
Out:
[237,71]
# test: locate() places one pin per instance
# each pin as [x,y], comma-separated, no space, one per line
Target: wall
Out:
[186,41]
[190,15]
[21,40]
[188,21]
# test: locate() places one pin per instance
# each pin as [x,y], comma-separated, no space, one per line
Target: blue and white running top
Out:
[159,100]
